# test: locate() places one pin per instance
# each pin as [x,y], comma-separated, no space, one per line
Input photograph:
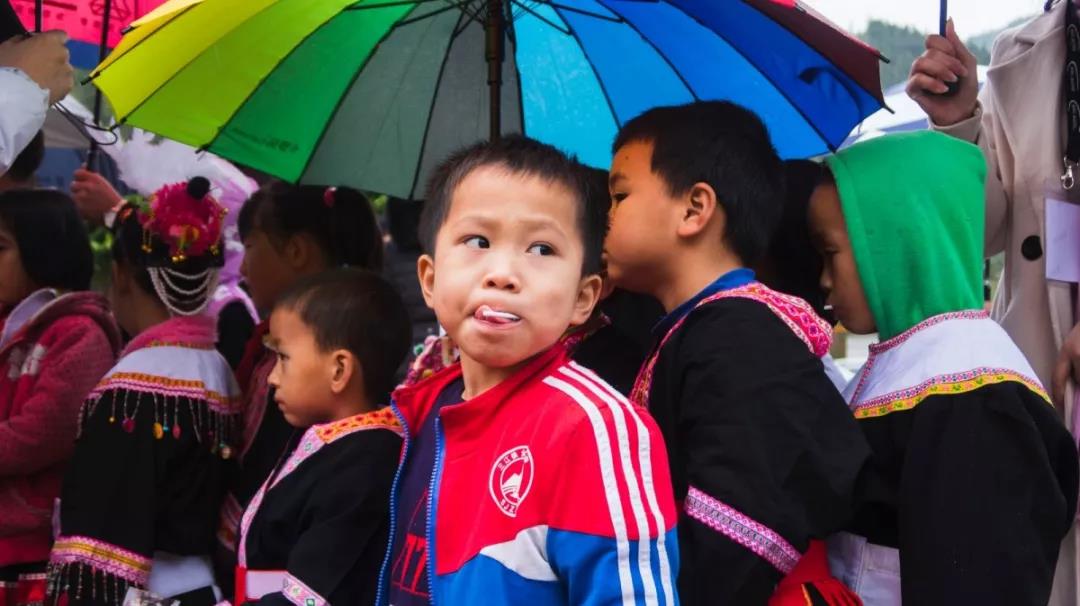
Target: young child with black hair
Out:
[615,340]
[140,500]
[764,454]
[612,342]
[289,232]
[973,480]
[56,341]
[791,264]
[526,479]
[316,531]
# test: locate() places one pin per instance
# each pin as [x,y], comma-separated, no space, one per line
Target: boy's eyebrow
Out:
[615,178]
[529,222]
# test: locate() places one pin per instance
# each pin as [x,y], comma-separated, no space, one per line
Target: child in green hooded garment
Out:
[973,479]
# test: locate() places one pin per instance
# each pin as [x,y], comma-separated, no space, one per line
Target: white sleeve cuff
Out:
[967,129]
[24,105]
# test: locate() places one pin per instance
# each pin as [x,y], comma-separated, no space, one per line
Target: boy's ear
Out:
[425,272]
[588,296]
[700,206]
[344,367]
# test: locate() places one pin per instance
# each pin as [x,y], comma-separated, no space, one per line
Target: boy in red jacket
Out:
[525,479]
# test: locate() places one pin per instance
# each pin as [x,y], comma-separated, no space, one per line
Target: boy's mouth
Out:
[485,313]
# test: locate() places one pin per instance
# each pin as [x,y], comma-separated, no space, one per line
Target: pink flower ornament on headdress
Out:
[186,218]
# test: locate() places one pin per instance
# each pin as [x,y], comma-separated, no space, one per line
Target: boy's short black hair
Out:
[27,163]
[725,146]
[51,237]
[519,156]
[356,310]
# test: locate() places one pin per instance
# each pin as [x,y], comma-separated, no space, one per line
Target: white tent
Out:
[906,114]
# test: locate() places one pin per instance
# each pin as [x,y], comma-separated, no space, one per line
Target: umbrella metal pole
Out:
[103,50]
[494,27]
[39,15]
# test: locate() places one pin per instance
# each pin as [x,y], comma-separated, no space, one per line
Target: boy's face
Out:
[643,219]
[840,276]
[303,373]
[505,281]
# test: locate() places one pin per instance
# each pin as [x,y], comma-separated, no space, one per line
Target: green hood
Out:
[914,209]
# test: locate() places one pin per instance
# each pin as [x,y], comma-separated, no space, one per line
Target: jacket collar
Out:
[24,313]
[414,402]
[1045,25]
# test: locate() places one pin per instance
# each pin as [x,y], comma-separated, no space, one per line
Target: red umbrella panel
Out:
[82,19]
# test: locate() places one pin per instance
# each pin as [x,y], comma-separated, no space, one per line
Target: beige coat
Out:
[1020,128]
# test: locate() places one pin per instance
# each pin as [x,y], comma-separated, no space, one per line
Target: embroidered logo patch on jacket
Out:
[511,479]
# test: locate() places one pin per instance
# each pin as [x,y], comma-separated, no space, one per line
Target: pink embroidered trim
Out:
[731,523]
[300,594]
[309,445]
[878,348]
[436,354]
[383,418]
[971,314]
[102,556]
[195,390]
[197,331]
[815,332]
[956,383]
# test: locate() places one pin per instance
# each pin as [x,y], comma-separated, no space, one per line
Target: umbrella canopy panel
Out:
[374,94]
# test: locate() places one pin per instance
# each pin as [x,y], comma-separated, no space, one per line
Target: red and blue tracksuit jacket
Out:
[549,488]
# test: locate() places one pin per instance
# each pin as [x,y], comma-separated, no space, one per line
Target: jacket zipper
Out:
[382,593]
[433,502]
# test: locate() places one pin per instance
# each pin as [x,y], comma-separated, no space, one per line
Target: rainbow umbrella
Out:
[374,93]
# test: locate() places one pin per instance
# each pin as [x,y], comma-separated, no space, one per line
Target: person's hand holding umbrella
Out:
[44,58]
[946,60]
[94,195]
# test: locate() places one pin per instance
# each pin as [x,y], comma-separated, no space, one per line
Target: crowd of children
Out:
[619,411]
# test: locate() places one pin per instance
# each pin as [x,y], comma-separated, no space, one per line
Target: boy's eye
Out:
[543,250]
[618,197]
[477,242]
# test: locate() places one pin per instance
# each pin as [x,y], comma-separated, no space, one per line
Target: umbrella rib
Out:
[543,18]
[599,81]
[94,74]
[341,100]
[775,86]
[580,11]
[662,54]
[440,11]
[520,95]
[877,53]
[255,89]
[360,6]
[431,108]
[473,14]
[197,56]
